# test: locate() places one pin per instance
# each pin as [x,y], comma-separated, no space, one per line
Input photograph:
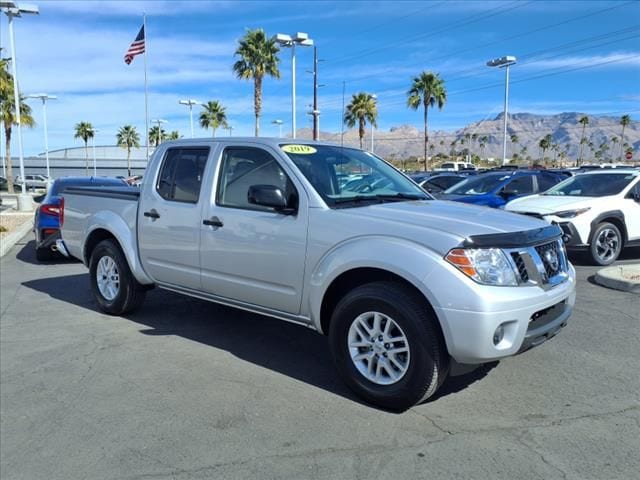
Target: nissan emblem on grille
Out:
[551,257]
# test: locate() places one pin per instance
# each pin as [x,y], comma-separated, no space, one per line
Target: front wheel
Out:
[606,244]
[112,283]
[387,346]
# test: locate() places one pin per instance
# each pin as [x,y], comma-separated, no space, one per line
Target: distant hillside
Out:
[405,141]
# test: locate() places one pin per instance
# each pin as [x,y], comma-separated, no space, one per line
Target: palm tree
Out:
[624,121]
[258,57]
[614,140]
[584,120]
[213,115]
[174,135]
[427,90]
[514,140]
[483,143]
[544,144]
[8,117]
[127,137]
[84,130]
[362,108]
[157,135]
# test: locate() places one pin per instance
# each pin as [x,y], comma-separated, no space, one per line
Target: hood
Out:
[456,219]
[546,204]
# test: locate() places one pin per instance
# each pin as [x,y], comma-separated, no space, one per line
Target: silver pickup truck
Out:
[337,240]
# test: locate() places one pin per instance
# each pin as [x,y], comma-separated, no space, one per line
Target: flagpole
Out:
[146,102]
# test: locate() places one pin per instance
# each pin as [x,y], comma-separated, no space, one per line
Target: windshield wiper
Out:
[379,198]
[358,199]
[403,196]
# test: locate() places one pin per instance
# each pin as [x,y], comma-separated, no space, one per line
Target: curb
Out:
[11,239]
[612,277]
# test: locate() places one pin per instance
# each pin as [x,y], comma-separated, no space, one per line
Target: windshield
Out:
[348,177]
[478,185]
[592,185]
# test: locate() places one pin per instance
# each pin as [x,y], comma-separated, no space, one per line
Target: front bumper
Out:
[528,316]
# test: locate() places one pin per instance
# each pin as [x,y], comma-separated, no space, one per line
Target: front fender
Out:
[402,257]
[125,234]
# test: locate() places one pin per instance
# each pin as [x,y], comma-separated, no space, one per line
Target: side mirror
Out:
[269,196]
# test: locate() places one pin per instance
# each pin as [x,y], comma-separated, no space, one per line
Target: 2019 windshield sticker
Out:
[299,149]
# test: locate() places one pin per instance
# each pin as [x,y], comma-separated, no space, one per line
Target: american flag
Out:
[136,48]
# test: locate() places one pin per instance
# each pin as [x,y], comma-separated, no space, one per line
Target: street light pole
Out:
[44,97]
[93,147]
[504,62]
[11,9]
[191,102]
[375,97]
[279,123]
[299,38]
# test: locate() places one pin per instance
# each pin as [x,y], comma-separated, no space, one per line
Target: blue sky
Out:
[572,56]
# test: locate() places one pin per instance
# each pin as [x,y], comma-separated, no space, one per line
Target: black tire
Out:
[129,293]
[606,244]
[428,360]
[44,254]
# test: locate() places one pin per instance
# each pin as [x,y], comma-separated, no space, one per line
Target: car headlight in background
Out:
[571,213]
[488,266]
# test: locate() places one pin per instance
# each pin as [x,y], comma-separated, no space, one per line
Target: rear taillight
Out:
[61,210]
[51,210]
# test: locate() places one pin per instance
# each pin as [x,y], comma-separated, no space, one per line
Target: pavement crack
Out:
[544,459]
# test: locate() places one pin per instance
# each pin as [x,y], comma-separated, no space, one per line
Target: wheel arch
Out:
[357,277]
[616,217]
[113,227]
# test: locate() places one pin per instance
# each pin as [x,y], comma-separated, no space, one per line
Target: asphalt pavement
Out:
[185,389]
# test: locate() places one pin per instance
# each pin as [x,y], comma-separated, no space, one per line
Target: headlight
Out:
[571,213]
[488,266]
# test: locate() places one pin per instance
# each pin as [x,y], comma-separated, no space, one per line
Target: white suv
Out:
[598,211]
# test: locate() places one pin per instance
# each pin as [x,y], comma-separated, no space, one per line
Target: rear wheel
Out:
[112,283]
[606,244]
[387,346]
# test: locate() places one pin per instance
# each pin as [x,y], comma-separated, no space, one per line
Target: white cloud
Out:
[610,60]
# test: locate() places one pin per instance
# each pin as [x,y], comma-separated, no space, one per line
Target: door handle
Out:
[152,214]
[213,222]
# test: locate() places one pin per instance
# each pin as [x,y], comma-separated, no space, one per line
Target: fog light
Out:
[498,335]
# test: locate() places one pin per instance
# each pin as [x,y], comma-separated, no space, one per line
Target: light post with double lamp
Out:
[504,62]
[44,97]
[160,121]
[12,10]
[279,123]
[191,102]
[302,39]
[374,97]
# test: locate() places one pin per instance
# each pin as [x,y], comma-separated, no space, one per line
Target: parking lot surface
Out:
[185,389]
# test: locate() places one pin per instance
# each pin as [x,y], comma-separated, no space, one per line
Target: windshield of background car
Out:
[347,177]
[478,185]
[592,185]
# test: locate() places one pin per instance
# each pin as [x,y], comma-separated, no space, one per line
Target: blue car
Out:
[46,224]
[495,189]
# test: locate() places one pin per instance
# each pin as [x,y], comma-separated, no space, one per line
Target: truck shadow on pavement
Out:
[289,349]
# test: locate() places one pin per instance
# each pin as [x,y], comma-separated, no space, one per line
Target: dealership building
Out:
[110,161]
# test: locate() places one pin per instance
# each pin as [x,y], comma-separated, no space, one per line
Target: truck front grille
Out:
[545,265]
[551,258]
[522,268]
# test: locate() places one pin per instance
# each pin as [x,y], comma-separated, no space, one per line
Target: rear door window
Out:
[521,185]
[181,173]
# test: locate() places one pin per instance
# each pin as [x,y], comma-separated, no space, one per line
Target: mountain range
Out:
[405,141]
